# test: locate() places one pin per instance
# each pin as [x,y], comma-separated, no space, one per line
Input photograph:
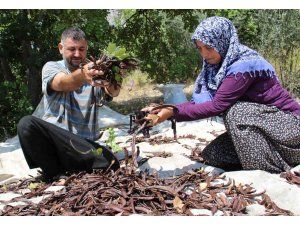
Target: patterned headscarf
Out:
[220,34]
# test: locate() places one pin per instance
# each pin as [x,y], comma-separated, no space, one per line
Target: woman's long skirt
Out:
[257,137]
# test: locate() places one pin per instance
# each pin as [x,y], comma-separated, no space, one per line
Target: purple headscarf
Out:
[220,34]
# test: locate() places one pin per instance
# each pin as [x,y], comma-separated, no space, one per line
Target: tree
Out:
[160,40]
[280,43]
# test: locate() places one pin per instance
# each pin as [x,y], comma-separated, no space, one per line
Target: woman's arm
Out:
[230,91]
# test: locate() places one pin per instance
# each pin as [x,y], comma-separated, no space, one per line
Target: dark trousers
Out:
[56,150]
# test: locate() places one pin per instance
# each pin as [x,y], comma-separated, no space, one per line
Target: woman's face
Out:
[208,53]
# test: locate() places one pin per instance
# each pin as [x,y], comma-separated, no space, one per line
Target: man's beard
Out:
[70,65]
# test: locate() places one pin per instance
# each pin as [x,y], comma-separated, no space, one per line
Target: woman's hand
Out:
[157,116]
[147,109]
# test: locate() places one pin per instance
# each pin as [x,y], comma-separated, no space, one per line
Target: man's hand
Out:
[89,72]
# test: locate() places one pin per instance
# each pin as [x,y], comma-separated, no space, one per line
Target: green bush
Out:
[14,104]
[280,44]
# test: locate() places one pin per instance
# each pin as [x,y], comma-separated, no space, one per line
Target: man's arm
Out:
[71,82]
[67,82]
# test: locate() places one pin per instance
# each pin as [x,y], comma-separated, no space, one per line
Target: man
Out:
[63,139]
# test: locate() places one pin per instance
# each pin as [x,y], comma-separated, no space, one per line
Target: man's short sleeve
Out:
[49,71]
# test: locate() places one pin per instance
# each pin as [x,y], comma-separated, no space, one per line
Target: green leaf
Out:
[111,140]
[116,148]
[118,78]
[120,53]
[32,186]
[97,152]
[115,69]
[113,50]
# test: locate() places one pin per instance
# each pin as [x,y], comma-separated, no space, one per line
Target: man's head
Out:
[73,47]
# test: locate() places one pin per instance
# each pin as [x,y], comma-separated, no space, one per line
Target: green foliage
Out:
[111,141]
[136,78]
[121,16]
[160,41]
[117,59]
[113,50]
[13,106]
[280,43]
[184,60]
[32,185]
[246,22]
[97,152]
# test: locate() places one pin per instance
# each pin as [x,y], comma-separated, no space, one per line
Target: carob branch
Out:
[113,68]
[114,62]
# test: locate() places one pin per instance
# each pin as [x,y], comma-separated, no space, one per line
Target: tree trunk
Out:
[6,70]
[33,74]
[34,85]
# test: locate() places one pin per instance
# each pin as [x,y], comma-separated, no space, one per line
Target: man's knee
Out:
[25,125]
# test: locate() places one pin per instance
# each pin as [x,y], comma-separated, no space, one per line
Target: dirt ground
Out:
[139,97]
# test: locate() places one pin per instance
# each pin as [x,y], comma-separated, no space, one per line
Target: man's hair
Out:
[73,32]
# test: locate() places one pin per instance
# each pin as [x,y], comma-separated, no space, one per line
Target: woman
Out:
[262,120]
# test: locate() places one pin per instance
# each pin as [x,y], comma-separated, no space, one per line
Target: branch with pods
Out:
[114,62]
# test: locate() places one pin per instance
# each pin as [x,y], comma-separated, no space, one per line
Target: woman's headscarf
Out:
[220,34]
